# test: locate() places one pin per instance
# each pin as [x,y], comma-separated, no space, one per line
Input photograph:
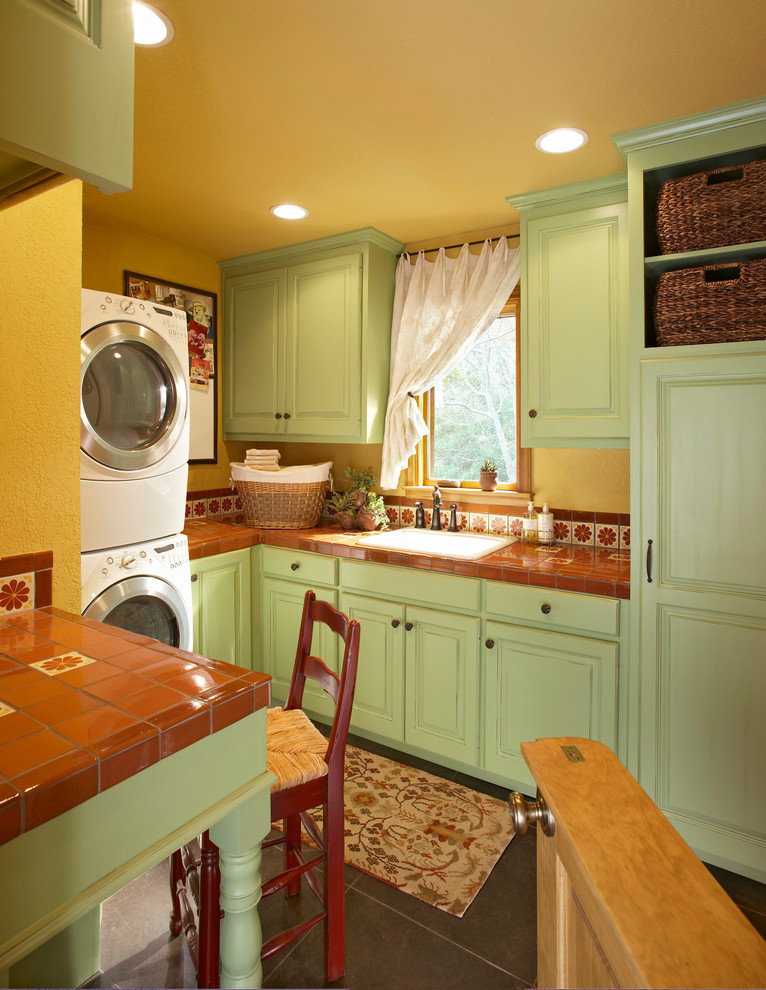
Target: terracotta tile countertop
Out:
[595,571]
[84,706]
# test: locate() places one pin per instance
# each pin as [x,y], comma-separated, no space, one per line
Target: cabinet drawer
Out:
[565,610]
[299,565]
[411,584]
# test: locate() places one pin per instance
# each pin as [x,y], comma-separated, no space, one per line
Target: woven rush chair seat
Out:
[295,748]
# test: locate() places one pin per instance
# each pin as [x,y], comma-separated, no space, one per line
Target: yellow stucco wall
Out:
[40,262]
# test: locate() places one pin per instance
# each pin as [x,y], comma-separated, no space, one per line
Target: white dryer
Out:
[134,420]
[144,588]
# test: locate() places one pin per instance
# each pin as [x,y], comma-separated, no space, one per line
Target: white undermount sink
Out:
[437,543]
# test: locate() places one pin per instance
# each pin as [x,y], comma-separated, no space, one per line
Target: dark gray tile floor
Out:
[393,939]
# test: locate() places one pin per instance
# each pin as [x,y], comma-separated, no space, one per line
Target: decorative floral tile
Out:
[227,504]
[582,534]
[462,521]
[199,508]
[62,663]
[625,537]
[188,513]
[407,516]
[17,593]
[515,525]
[239,505]
[562,531]
[498,525]
[214,506]
[392,514]
[5,709]
[607,535]
[479,522]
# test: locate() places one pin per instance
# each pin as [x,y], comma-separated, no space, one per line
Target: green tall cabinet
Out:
[698,485]
[307,333]
[574,315]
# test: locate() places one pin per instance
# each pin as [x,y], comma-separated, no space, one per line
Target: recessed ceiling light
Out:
[288,211]
[562,139]
[151,28]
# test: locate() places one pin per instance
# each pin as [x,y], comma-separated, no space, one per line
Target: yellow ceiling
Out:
[416,118]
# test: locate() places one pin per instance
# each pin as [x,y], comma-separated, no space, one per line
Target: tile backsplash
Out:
[26,582]
[586,529]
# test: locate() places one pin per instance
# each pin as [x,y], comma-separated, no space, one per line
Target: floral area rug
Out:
[424,835]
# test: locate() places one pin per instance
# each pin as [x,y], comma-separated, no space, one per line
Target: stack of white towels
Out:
[262,460]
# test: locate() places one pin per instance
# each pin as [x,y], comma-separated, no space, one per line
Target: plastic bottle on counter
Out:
[545,534]
[529,524]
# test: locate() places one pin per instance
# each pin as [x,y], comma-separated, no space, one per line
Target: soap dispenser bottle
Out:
[545,534]
[529,524]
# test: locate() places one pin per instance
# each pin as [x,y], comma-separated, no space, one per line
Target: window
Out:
[472,414]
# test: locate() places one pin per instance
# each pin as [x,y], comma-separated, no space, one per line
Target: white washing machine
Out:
[134,420]
[144,588]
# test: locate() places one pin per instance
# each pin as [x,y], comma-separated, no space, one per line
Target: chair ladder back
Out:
[342,719]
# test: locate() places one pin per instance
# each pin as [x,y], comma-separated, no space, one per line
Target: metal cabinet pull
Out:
[287,415]
[195,577]
[532,413]
[294,567]
[408,626]
[490,644]
[395,623]
[649,561]
[524,813]
[277,415]
[545,608]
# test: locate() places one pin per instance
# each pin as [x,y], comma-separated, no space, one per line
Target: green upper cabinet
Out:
[307,334]
[66,70]
[574,315]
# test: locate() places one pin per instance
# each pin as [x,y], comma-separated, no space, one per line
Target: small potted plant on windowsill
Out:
[488,475]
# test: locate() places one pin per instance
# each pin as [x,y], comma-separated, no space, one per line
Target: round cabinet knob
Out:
[287,415]
[545,608]
[408,626]
[294,566]
[395,623]
[195,577]
[277,415]
[532,413]
[524,813]
[490,644]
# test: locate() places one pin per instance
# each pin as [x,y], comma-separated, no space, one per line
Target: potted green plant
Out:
[360,481]
[488,475]
[373,514]
[345,507]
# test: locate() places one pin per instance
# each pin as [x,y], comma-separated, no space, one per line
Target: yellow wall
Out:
[571,479]
[40,262]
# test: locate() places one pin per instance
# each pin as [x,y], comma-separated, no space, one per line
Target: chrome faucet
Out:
[436,516]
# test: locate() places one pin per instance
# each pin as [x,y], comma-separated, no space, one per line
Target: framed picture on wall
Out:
[199,305]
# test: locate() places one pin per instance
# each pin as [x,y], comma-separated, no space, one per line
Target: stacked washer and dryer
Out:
[134,450]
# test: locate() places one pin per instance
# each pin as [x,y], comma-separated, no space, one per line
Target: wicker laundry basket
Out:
[711,305]
[712,209]
[290,498]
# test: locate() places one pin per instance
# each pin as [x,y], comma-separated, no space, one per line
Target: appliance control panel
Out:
[172,554]
[172,321]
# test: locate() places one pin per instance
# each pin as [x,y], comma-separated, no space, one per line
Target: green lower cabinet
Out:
[379,694]
[281,611]
[221,607]
[441,682]
[539,683]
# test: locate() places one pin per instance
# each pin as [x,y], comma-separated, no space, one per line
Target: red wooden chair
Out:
[309,770]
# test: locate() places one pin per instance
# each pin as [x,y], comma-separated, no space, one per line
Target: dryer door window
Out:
[145,605]
[134,396]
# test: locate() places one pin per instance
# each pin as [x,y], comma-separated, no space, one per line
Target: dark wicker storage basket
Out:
[269,505]
[712,209]
[711,305]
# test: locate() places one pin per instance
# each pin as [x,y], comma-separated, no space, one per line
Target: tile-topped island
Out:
[114,751]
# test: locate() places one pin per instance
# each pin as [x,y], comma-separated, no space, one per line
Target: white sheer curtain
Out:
[441,308]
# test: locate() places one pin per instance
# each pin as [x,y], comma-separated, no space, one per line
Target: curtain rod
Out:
[449,247]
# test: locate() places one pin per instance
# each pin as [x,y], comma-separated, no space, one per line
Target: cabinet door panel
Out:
[255,352]
[576,360]
[281,610]
[221,607]
[441,683]
[540,684]
[324,348]
[379,695]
